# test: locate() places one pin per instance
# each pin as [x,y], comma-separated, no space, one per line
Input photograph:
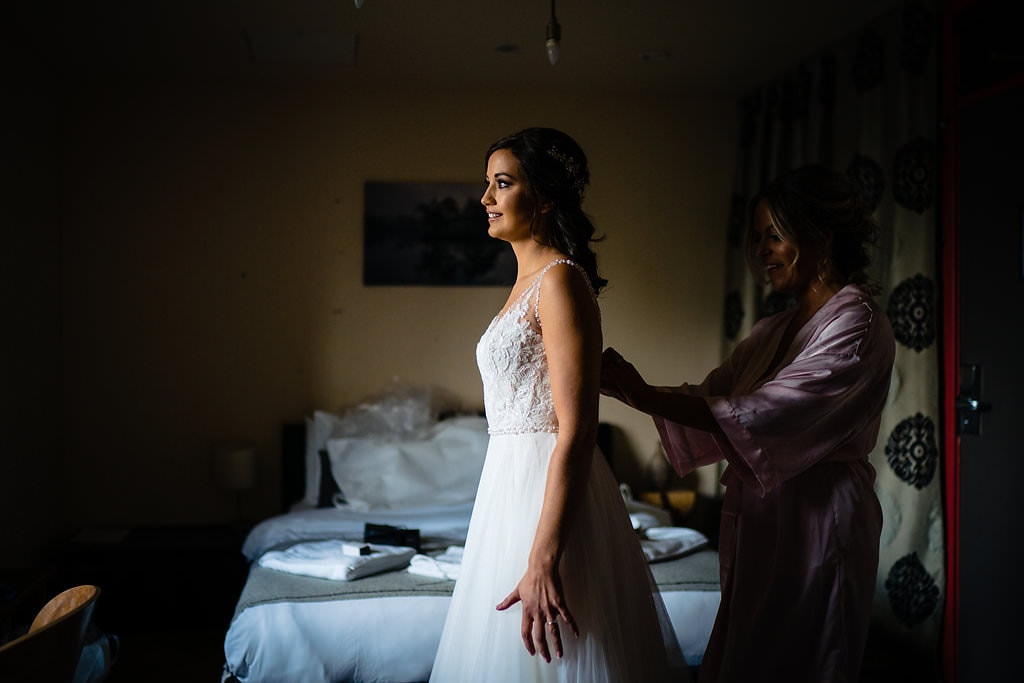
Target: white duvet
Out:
[325,642]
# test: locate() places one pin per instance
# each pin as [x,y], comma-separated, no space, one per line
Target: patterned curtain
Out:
[867,105]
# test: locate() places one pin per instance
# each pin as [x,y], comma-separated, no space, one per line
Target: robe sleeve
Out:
[822,406]
[688,448]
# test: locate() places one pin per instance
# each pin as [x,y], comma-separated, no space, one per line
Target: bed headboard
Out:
[293,459]
[293,463]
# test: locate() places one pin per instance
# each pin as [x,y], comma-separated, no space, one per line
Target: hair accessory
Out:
[572,169]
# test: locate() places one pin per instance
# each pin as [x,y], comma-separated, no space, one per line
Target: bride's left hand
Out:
[540,593]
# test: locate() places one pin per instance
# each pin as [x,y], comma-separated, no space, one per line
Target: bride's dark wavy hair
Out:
[556,171]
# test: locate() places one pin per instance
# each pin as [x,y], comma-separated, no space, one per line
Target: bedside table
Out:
[157,577]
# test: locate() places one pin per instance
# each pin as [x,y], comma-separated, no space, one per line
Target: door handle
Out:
[968,407]
[971,404]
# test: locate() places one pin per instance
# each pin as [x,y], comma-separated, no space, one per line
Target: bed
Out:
[321,604]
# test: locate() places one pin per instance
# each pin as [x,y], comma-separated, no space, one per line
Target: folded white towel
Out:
[443,566]
[327,560]
[669,542]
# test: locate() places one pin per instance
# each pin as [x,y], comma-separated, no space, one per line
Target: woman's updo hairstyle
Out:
[823,214]
[555,169]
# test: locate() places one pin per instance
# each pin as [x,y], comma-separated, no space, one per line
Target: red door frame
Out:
[950,315]
[952,102]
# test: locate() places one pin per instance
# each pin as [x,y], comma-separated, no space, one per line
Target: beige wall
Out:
[31,481]
[212,282]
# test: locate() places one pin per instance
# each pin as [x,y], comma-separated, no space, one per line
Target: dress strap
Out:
[540,276]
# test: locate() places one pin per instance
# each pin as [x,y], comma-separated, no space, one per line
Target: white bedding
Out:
[436,523]
[390,638]
[324,642]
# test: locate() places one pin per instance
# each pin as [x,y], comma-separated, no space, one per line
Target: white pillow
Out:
[399,412]
[442,469]
[670,542]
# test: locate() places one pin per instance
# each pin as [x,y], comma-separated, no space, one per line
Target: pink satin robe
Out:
[800,520]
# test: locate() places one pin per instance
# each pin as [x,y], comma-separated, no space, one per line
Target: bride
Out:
[554,585]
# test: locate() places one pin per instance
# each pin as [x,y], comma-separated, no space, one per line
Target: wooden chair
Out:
[49,652]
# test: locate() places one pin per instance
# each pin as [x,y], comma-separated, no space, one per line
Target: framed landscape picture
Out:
[431,234]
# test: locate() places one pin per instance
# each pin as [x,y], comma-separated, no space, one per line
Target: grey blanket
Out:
[697,571]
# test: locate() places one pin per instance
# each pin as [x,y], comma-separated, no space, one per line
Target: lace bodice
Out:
[514,366]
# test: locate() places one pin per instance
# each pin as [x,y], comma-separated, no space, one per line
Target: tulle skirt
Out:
[624,634]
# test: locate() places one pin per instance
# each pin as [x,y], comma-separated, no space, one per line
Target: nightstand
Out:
[159,577]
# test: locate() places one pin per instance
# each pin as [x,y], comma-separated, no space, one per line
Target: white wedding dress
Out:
[606,581]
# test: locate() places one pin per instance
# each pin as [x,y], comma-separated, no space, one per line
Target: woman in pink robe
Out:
[794,411]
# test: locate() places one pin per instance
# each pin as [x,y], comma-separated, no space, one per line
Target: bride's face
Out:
[507,199]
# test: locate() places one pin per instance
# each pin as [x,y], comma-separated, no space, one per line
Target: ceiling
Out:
[720,47]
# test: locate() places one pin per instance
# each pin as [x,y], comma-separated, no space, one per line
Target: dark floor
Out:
[171,657]
[197,656]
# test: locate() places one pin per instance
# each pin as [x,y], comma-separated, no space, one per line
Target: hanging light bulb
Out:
[554,36]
